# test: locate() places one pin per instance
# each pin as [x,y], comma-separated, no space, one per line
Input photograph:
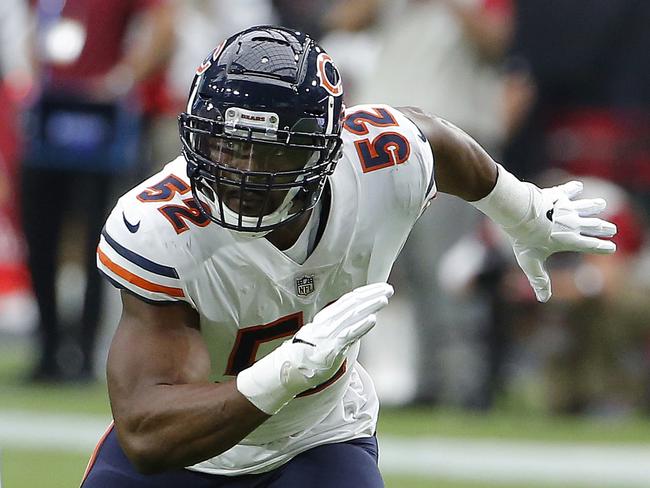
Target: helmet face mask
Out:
[260,145]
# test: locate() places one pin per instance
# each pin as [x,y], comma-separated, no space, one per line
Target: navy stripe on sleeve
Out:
[432,182]
[138,260]
[120,286]
[421,135]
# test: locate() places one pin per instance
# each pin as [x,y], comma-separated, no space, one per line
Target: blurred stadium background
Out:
[481,386]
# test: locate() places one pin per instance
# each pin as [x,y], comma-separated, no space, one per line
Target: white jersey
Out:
[250,296]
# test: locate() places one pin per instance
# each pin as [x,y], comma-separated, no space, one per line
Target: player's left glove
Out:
[540,222]
[316,351]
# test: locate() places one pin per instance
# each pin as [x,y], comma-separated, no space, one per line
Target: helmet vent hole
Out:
[271,39]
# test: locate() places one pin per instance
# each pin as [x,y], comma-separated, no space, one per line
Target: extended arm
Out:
[167,413]
[539,222]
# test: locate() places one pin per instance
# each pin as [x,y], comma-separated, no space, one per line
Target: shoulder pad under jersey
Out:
[381,140]
[150,243]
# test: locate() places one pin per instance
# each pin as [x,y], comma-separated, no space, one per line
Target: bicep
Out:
[462,167]
[154,345]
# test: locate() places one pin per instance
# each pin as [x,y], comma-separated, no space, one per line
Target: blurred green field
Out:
[29,468]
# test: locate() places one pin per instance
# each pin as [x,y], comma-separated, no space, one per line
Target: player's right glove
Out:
[316,351]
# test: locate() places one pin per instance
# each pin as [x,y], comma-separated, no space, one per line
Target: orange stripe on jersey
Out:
[93,457]
[136,280]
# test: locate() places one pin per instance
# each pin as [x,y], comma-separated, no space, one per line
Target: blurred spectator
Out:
[84,132]
[15,80]
[598,360]
[591,112]
[352,16]
[454,50]
[15,62]
[199,26]
[457,46]
[589,344]
[577,99]
[353,37]
[305,15]
[345,28]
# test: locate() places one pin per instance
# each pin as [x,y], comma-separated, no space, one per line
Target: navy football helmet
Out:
[262,128]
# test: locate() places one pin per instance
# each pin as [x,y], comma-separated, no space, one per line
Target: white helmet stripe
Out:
[190,100]
[330,115]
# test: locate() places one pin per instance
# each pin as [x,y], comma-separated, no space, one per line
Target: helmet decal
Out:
[328,74]
[210,59]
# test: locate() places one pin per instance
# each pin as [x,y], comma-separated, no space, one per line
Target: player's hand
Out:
[317,350]
[561,223]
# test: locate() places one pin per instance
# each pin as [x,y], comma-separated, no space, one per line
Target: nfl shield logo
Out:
[305,285]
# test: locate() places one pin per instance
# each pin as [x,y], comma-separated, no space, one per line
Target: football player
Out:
[251,266]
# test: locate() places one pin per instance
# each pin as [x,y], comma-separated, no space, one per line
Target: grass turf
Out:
[429,422]
[28,468]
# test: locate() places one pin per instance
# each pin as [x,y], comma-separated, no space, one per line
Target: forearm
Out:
[155,45]
[148,53]
[172,426]
[167,412]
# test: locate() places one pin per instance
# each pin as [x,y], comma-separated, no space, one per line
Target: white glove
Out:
[316,351]
[540,222]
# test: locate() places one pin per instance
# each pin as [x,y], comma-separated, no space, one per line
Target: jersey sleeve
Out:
[135,254]
[388,142]
[423,158]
